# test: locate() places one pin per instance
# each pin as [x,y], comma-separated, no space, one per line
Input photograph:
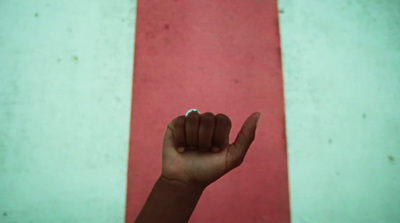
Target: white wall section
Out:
[65,91]
[341,63]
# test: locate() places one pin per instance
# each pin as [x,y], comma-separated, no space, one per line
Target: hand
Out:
[196,148]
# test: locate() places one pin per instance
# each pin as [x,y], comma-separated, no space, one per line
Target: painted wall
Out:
[342,90]
[66,71]
[65,89]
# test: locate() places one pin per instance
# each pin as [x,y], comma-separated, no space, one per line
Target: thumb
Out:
[238,149]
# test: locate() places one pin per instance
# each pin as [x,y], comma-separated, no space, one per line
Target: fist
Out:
[196,147]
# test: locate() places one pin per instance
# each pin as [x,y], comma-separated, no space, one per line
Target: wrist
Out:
[180,185]
[170,201]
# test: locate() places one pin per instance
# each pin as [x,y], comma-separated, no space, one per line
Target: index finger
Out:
[179,132]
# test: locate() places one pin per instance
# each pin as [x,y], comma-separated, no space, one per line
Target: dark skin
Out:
[196,152]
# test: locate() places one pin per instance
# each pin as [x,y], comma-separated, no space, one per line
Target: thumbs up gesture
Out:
[196,147]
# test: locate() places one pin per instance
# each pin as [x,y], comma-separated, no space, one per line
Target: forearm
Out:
[170,201]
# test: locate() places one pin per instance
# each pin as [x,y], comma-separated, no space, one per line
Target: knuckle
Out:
[192,117]
[207,119]
[208,124]
[223,119]
[208,114]
[179,121]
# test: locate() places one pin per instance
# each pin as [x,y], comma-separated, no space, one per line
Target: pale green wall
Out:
[65,89]
[65,103]
[342,90]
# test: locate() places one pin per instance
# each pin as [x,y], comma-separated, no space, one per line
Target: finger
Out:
[245,137]
[179,133]
[192,129]
[223,126]
[169,136]
[206,131]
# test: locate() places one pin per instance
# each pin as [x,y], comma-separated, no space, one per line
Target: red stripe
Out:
[222,57]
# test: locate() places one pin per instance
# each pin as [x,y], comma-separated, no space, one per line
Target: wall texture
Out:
[342,90]
[65,91]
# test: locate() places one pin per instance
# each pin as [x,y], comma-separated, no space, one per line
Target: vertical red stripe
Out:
[222,57]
